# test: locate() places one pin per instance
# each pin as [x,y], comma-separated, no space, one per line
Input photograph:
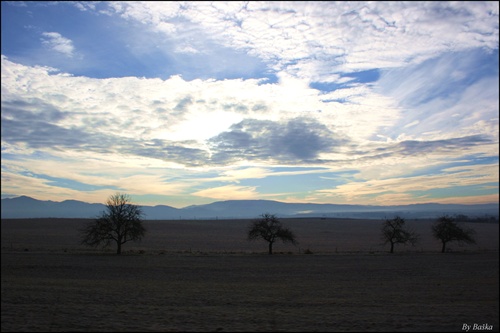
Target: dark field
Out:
[205,276]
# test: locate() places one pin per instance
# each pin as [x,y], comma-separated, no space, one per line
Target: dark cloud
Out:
[298,140]
[448,145]
[31,110]
[33,122]
[45,135]
[259,107]
[38,134]
[237,107]
[183,104]
[417,147]
[35,125]
[178,152]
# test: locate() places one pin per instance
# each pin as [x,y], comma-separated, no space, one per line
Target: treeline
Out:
[477,219]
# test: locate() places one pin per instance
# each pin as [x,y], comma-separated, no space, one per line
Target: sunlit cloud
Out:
[398,188]
[229,192]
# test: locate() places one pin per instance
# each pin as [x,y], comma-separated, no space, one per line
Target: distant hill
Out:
[26,207]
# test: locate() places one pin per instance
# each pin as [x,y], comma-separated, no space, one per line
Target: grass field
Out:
[205,276]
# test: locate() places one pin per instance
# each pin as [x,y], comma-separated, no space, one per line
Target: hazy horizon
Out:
[228,200]
[190,103]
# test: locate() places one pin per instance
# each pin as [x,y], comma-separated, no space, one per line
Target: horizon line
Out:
[291,203]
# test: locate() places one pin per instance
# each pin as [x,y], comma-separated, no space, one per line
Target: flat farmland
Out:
[205,276]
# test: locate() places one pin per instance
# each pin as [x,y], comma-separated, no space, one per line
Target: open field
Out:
[205,276]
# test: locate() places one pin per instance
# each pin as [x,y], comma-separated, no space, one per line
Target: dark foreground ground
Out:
[182,279]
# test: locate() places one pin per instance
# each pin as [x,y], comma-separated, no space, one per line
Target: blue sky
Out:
[182,103]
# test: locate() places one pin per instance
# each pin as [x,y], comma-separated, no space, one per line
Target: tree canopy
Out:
[394,232]
[446,229]
[270,229]
[121,222]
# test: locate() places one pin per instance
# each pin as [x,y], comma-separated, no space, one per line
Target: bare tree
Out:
[394,232]
[447,230]
[270,229]
[120,223]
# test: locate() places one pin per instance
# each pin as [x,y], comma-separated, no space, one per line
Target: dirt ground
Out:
[204,276]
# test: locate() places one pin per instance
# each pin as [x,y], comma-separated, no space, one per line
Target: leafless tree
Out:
[394,232]
[447,230]
[120,222]
[270,229]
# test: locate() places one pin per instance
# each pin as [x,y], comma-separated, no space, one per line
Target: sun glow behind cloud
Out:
[190,102]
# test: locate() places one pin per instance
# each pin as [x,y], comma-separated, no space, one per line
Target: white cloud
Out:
[342,36]
[246,173]
[175,109]
[58,43]
[187,113]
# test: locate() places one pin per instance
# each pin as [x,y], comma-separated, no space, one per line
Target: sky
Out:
[188,103]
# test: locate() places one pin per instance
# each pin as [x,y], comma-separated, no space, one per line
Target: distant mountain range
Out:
[26,207]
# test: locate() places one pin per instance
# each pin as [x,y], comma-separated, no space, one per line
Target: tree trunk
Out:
[443,248]
[392,247]
[118,248]
[270,247]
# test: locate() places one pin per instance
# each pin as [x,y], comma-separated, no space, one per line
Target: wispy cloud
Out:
[343,36]
[229,192]
[417,189]
[58,43]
